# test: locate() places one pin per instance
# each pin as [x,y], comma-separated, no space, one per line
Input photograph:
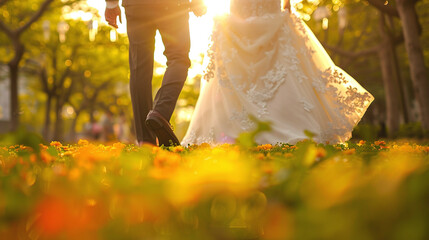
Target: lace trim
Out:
[243,118]
[258,90]
[306,105]
[192,138]
[216,67]
[351,101]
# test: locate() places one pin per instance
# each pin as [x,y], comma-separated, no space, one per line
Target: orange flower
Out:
[321,153]
[33,158]
[264,147]
[155,149]
[119,146]
[267,167]
[424,149]
[278,222]
[178,149]
[53,216]
[166,159]
[74,174]
[56,144]
[378,143]
[66,153]
[68,217]
[42,146]
[46,157]
[22,147]
[381,144]
[260,156]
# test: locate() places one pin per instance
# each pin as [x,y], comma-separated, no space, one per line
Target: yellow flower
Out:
[331,183]
[83,142]
[405,148]
[165,163]
[206,174]
[204,145]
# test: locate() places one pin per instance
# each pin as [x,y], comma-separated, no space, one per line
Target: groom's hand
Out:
[199,8]
[112,14]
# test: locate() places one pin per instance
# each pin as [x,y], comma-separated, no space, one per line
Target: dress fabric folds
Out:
[267,63]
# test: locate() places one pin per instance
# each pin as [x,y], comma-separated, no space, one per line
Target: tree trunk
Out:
[390,81]
[14,78]
[19,48]
[47,124]
[58,127]
[72,134]
[14,101]
[403,88]
[91,111]
[420,79]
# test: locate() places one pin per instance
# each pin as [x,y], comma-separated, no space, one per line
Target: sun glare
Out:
[200,29]
[215,7]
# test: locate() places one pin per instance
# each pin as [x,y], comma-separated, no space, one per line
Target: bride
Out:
[266,63]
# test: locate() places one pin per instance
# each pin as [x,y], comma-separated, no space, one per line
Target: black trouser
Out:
[172,21]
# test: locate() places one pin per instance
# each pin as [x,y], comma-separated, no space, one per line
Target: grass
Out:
[361,190]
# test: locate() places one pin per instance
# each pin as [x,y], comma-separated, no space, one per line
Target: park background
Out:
[64,72]
[64,76]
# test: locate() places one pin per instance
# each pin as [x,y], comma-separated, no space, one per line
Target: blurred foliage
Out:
[362,33]
[14,14]
[360,190]
[96,72]
[103,62]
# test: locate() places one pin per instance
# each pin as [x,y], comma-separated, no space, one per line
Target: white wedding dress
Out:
[267,63]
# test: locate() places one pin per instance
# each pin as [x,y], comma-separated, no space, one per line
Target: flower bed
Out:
[359,190]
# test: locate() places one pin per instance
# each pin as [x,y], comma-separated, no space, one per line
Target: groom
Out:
[144,17]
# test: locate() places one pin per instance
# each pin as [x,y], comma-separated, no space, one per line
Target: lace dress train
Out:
[267,63]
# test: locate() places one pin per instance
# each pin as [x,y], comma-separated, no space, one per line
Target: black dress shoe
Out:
[162,129]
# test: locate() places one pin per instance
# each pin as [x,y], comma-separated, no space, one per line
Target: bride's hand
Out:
[198,8]
[286,5]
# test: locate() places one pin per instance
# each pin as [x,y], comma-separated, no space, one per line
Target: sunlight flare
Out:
[217,7]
